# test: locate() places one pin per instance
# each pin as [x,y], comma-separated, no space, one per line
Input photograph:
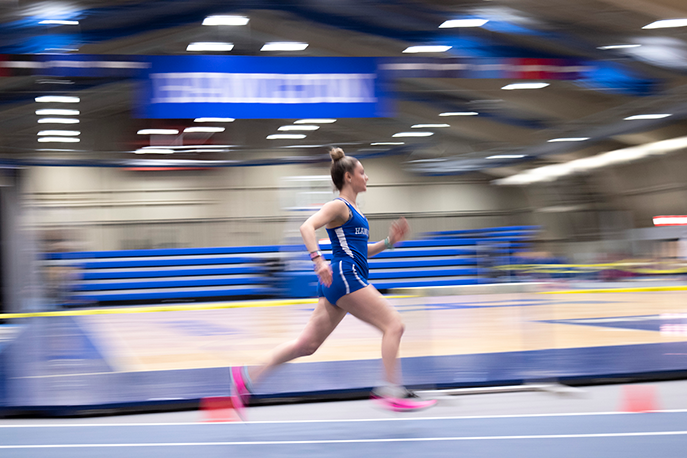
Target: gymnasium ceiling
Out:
[645,75]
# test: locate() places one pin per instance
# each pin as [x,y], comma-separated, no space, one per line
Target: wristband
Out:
[387,243]
[315,254]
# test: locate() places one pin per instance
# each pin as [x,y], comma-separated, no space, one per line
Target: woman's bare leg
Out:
[370,306]
[322,322]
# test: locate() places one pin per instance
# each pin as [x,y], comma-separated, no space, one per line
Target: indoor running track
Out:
[603,435]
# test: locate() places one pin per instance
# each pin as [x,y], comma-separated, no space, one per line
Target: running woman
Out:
[343,288]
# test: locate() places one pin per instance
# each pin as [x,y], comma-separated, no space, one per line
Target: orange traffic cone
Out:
[216,409]
[639,398]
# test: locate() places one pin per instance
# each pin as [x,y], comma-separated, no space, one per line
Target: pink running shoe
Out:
[239,392]
[408,402]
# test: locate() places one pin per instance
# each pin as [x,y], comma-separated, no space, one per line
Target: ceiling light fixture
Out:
[183,147]
[506,156]
[57,99]
[58,22]
[647,116]
[59,140]
[298,127]
[603,48]
[225,20]
[63,150]
[202,129]
[285,136]
[413,134]
[57,112]
[515,86]
[429,48]
[666,24]
[214,120]
[620,156]
[387,143]
[284,46]
[210,46]
[453,23]
[429,126]
[315,121]
[568,139]
[58,121]
[61,133]
[154,151]
[459,113]
[157,132]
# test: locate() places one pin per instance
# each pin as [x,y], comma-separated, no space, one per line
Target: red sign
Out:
[670,220]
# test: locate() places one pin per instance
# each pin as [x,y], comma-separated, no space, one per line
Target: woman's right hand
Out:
[324,271]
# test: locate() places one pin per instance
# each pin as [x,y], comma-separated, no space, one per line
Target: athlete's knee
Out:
[396,326]
[306,347]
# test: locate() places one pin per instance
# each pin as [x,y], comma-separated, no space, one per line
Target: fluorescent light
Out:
[180,147]
[672,220]
[512,86]
[56,149]
[284,46]
[387,143]
[210,46]
[61,133]
[428,126]
[59,22]
[58,121]
[157,132]
[208,129]
[315,121]
[303,146]
[568,139]
[431,159]
[463,23]
[430,48]
[666,23]
[59,140]
[214,120]
[620,156]
[459,113]
[506,156]
[603,48]
[285,136]
[57,112]
[299,127]
[225,20]
[47,50]
[57,99]
[413,134]
[647,116]
[154,151]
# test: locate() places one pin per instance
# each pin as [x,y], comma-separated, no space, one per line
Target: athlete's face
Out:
[359,179]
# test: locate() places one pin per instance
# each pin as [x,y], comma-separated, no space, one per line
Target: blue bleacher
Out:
[126,276]
[170,274]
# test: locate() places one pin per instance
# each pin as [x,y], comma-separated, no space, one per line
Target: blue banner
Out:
[250,87]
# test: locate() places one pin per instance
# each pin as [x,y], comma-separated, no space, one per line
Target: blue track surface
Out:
[560,436]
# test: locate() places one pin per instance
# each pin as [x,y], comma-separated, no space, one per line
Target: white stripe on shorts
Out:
[356,275]
[343,277]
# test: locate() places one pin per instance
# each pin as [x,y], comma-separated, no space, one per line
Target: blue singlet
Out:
[349,256]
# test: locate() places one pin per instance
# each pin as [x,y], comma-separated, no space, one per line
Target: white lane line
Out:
[355,441]
[342,420]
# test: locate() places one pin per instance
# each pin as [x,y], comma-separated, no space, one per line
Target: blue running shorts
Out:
[345,280]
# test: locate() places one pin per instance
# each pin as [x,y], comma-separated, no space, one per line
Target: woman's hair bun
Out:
[336,154]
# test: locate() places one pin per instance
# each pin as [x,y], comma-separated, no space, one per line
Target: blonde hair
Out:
[340,165]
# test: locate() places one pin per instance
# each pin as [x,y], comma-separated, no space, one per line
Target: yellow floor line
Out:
[168,308]
[642,289]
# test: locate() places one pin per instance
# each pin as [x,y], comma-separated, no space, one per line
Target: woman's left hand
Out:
[399,230]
